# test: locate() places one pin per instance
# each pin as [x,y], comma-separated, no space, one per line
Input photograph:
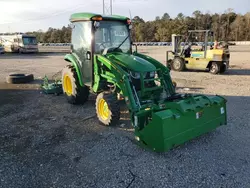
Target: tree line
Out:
[53,35]
[228,26]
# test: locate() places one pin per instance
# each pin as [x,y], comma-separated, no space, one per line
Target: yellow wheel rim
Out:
[103,109]
[67,85]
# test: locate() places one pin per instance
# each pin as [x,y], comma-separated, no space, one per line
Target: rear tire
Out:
[107,109]
[214,68]
[74,92]
[223,68]
[178,64]
[169,64]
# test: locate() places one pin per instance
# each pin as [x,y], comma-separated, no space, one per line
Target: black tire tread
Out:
[182,64]
[82,93]
[218,68]
[114,107]
[222,68]
[19,78]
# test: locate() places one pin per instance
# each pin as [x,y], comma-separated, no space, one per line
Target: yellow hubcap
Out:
[67,85]
[103,109]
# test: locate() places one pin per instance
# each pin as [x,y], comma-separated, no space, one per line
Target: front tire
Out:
[74,92]
[178,64]
[107,109]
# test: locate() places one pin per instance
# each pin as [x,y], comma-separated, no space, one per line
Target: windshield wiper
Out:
[122,42]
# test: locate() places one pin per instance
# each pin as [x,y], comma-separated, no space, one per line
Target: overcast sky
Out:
[32,15]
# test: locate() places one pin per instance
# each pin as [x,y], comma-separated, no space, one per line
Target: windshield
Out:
[29,41]
[111,34]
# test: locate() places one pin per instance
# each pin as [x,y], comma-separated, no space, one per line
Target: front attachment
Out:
[182,121]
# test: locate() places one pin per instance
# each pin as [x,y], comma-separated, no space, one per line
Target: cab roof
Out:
[85,16]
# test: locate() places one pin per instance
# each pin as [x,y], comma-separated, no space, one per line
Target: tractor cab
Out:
[94,35]
[188,52]
[112,36]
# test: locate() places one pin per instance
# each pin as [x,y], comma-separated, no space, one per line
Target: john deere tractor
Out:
[186,53]
[102,62]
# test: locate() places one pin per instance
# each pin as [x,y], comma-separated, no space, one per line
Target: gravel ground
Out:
[46,142]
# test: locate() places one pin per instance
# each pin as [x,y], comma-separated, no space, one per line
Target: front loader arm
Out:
[165,71]
[121,79]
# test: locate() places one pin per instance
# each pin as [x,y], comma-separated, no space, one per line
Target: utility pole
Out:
[107,7]
[103,6]
[111,7]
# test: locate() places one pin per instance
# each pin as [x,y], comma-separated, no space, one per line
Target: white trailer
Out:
[19,42]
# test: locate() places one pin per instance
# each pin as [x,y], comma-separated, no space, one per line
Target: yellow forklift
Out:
[186,54]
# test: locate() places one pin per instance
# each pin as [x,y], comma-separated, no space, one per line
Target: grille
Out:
[137,82]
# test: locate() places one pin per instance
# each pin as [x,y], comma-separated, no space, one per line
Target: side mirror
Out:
[72,26]
[96,24]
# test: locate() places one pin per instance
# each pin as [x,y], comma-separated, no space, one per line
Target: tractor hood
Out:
[132,62]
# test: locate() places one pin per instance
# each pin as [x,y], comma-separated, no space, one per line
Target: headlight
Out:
[135,75]
[152,74]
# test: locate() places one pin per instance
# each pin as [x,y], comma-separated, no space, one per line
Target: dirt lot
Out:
[46,142]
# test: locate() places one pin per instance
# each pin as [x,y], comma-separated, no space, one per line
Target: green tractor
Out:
[102,62]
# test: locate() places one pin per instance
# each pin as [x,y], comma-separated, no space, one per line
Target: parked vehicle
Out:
[215,60]
[1,49]
[19,42]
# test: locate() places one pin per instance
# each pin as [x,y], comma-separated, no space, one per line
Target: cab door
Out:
[82,49]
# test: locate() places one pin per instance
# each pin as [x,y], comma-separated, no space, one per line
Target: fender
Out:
[73,60]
